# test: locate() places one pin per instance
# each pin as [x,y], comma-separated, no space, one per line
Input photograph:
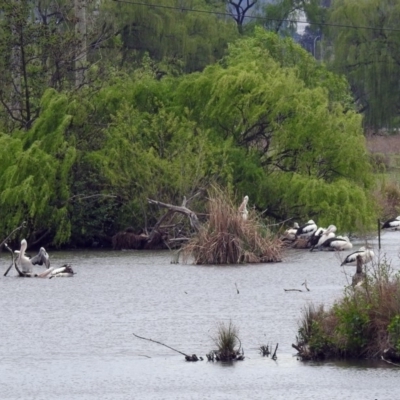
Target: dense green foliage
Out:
[267,120]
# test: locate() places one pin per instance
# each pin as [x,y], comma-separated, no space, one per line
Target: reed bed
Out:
[226,238]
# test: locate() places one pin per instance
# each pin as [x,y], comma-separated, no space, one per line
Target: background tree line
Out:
[142,102]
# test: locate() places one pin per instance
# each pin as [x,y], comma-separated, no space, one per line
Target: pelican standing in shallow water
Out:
[366,254]
[25,264]
[392,224]
[243,208]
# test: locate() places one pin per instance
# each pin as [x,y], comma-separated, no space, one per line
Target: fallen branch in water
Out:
[390,362]
[162,344]
[193,357]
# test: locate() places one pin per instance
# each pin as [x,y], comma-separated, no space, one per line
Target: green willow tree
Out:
[35,175]
[275,100]
[368,56]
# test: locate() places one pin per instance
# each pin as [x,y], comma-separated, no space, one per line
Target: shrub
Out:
[364,323]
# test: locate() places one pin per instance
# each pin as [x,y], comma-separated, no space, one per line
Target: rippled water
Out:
[71,338]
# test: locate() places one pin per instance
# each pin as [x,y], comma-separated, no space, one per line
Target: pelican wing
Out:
[41,258]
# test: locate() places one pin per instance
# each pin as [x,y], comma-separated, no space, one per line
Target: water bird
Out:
[290,233]
[65,271]
[338,243]
[392,224]
[321,235]
[306,230]
[366,254]
[243,208]
[25,264]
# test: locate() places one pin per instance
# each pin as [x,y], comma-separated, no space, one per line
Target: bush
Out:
[365,323]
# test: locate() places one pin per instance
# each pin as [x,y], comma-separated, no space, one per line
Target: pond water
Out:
[72,338]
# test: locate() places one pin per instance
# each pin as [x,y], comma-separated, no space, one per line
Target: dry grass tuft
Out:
[229,239]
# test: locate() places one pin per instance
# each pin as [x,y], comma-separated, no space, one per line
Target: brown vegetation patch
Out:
[229,239]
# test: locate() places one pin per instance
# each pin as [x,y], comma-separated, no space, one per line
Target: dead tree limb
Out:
[15,230]
[292,290]
[162,344]
[194,221]
[12,259]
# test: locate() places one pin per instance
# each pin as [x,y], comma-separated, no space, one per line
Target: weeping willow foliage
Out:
[35,173]
[369,58]
[275,101]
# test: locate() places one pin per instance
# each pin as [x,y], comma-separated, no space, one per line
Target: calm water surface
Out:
[72,338]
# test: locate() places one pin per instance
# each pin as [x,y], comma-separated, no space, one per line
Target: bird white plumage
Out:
[306,230]
[243,208]
[367,255]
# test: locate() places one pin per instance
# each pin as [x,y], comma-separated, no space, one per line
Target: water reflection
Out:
[72,338]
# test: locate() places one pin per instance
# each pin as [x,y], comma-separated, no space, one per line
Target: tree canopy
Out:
[267,120]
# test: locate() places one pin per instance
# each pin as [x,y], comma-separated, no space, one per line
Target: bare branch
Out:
[162,344]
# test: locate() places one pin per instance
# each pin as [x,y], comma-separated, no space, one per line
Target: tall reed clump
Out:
[365,323]
[227,342]
[226,238]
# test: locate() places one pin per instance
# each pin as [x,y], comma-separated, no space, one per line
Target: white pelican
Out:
[338,243]
[392,224]
[64,271]
[366,254]
[321,235]
[290,233]
[306,230]
[243,208]
[25,264]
